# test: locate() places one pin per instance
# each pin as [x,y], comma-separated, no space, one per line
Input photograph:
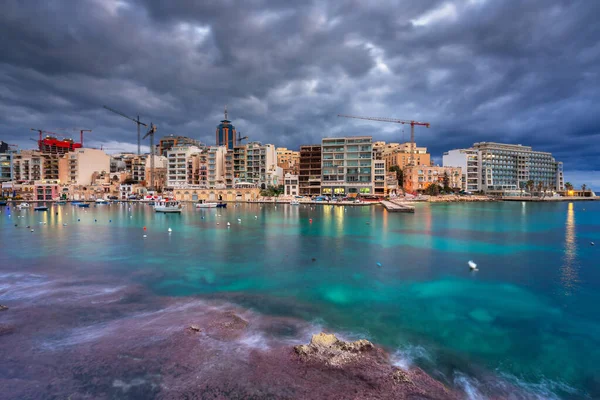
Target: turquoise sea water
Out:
[530,316]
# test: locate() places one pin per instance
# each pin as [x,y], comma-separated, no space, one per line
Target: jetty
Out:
[397,207]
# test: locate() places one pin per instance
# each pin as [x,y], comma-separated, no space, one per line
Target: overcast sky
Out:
[511,71]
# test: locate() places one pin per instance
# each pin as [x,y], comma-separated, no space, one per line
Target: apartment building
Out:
[379,177]
[78,167]
[418,178]
[504,168]
[255,164]
[6,165]
[177,157]
[400,155]
[309,178]
[166,143]
[347,166]
[27,166]
[470,164]
[291,187]
[289,160]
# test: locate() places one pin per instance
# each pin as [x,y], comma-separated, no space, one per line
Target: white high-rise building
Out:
[347,166]
[177,165]
[502,168]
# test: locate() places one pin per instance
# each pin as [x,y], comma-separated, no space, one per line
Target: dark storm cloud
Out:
[510,71]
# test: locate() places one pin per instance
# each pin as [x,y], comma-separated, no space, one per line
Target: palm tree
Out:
[529,186]
[539,188]
[583,188]
[569,186]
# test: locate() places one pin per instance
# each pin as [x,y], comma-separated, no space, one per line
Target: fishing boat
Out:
[204,204]
[83,205]
[168,206]
[101,201]
[41,208]
[222,205]
[294,203]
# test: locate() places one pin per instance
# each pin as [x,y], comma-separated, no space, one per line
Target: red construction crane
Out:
[397,121]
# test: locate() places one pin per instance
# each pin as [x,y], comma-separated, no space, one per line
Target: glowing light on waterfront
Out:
[568,272]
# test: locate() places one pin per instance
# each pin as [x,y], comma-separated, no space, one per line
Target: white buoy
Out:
[228,224]
[170,230]
[239,220]
[256,217]
[32,230]
[472,265]
[592,243]
[64,224]
[217,223]
[145,235]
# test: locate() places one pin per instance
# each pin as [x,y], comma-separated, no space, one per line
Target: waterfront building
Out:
[399,154]
[391,183]
[6,165]
[239,165]
[79,166]
[256,164]
[27,166]
[289,160]
[506,168]
[228,194]
[418,178]
[216,166]
[347,166]
[177,165]
[379,177]
[378,148]
[291,187]
[226,133]
[166,143]
[46,191]
[309,178]
[228,169]
[3,147]
[470,164]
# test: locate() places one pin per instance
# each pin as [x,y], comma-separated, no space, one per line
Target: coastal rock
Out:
[195,328]
[3,308]
[327,348]
[227,326]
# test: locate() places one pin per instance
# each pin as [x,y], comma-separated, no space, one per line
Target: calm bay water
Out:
[529,317]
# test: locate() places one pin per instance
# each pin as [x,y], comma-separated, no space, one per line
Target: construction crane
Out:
[40,131]
[77,130]
[397,121]
[151,133]
[137,121]
[240,138]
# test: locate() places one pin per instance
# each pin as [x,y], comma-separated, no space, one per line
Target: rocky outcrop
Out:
[327,348]
[6,329]
[3,308]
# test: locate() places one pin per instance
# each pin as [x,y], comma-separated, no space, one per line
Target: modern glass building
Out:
[347,166]
[226,134]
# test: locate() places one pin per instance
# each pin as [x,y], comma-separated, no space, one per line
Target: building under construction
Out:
[53,145]
[309,180]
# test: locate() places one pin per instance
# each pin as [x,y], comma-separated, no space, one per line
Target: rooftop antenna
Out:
[226,112]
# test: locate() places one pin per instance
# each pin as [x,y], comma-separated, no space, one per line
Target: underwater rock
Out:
[3,308]
[195,328]
[327,348]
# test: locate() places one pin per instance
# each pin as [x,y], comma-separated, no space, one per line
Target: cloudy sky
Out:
[509,71]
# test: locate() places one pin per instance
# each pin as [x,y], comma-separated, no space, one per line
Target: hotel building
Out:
[347,166]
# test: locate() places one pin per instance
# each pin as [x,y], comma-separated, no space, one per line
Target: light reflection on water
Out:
[568,273]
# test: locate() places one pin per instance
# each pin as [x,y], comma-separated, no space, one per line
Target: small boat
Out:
[60,203]
[101,201]
[23,205]
[204,204]
[83,205]
[294,203]
[222,205]
[2,203]
[41,208]
[168,206]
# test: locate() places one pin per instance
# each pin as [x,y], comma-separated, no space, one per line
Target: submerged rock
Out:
[327,348]
[195,328]
[3,308]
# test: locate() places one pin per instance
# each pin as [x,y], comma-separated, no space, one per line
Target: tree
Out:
[529,185]
[433,190]
[583,188]
[272,191]
[569,186]
[446,181]
[540,185]
[399,174]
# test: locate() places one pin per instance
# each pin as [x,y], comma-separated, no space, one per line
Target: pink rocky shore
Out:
[81,340]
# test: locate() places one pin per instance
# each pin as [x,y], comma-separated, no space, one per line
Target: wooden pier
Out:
[397,207]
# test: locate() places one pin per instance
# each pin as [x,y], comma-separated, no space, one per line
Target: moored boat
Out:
[83,205]
[101,201]
[168,206]
[23,205]
[41,208]
[204,204]
[2,203]
[222,205]
[294,203]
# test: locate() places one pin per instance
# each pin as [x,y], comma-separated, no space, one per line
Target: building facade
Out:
[166,143]
[309,177]
[399,154]
[78,167]
[504,168]
[6,164]
[470,164]
[177,172]
[289,160]
[291,187]
[419,178]
[379,177]
[347,166]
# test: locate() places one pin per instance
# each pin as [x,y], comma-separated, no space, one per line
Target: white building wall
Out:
[177,165]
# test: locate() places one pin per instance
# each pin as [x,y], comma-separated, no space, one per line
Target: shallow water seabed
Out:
[528,313]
